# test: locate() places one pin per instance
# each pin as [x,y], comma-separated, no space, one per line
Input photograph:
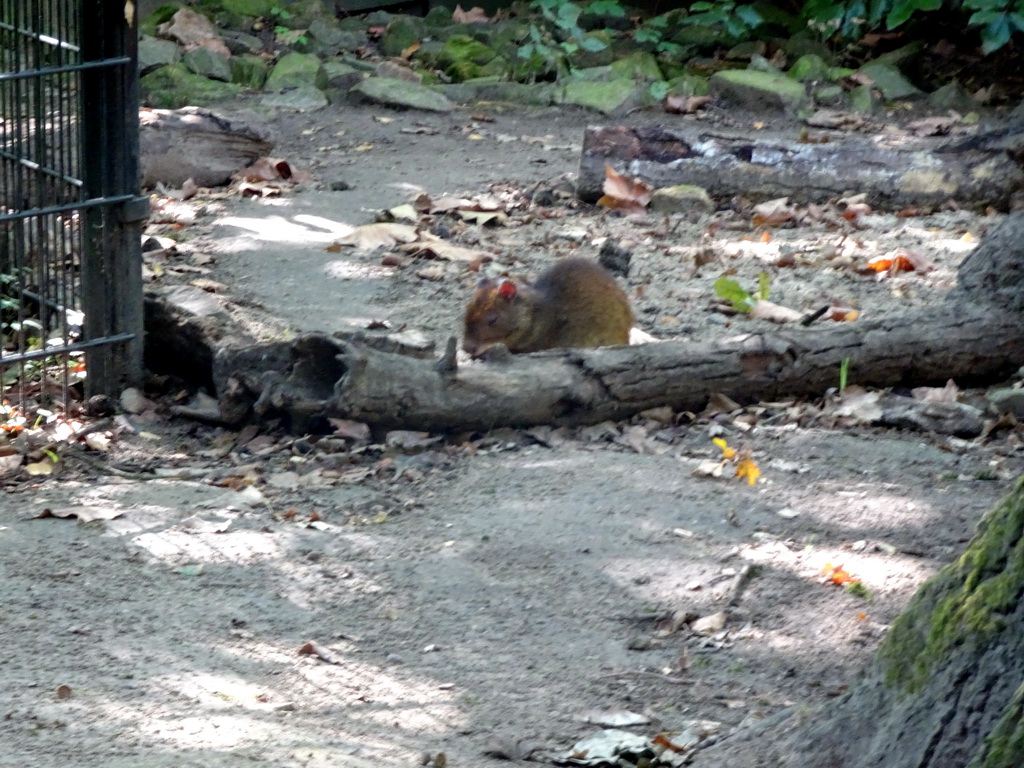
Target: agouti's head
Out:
[495,315]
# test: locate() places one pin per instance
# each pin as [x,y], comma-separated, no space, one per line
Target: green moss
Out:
[1004,745]
[964,605]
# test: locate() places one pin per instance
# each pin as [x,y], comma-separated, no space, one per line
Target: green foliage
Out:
[741,299]
[998,20]
[549,47]
[737,20]
[652,32]
[844,20]
[844,373]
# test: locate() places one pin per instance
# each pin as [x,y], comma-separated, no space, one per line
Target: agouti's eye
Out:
[492,320]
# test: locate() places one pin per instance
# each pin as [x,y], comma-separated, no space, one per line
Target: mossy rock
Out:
[639,65]
[160,15]
[249,71]
[809,67]
[296,69]
[175,86]
[251,8]
[401,33]
[464,58]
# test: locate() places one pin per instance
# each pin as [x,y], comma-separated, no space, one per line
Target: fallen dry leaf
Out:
[472,16]
[623,193]
[776,313]
[370,237]
[772,213]
[441,249]
[946,394]
[676,104]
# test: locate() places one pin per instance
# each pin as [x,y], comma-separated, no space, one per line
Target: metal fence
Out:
[70,210]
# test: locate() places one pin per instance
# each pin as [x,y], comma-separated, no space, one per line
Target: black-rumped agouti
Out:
[575,303]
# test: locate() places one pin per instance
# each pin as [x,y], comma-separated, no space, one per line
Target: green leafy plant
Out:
[741,299]
[549,46]
[652,32]
[737,20]
[844,372]
[995,20]
[998,21]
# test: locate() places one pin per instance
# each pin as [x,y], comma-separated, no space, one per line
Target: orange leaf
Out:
[837,574]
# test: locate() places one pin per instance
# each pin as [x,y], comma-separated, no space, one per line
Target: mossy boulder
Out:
[294,70]
[248,7]
[639,65]
[463,58]
[176,86]
[809,67]
[401,33]
[249,71]
[206,62]
[759,90]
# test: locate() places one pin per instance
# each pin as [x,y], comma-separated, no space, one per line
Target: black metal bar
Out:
[84,66]
[111,248]
[96,202]
[78,346]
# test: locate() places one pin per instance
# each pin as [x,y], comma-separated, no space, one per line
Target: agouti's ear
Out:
[507,289]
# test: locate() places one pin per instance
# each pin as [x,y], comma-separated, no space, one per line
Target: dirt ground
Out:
[478,595]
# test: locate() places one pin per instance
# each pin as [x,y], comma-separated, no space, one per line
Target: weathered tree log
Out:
[977,336]
[894,172]
[946,688]
[176,145]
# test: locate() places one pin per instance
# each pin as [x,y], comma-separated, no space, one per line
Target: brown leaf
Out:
[933,126]
[773,213]
[315,649]
[351,430]
[622,192]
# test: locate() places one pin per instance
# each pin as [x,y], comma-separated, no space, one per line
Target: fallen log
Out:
[977,336]
[198,144]
[895,172]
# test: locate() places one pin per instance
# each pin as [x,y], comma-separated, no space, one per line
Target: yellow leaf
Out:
[727,452]
[748,469]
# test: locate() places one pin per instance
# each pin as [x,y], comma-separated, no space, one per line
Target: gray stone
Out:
[889,81]
[154,53]
[205,62]
[303,98]
[341,75]
[401,93]
[294,70]
[1007,401]
[862,99]
[240,42]
[682,198]
[953,96]
[829,95]
[758,90]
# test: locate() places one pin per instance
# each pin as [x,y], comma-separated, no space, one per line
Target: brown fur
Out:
[576,303]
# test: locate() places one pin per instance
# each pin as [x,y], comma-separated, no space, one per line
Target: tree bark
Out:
[894,172]
[977,336]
